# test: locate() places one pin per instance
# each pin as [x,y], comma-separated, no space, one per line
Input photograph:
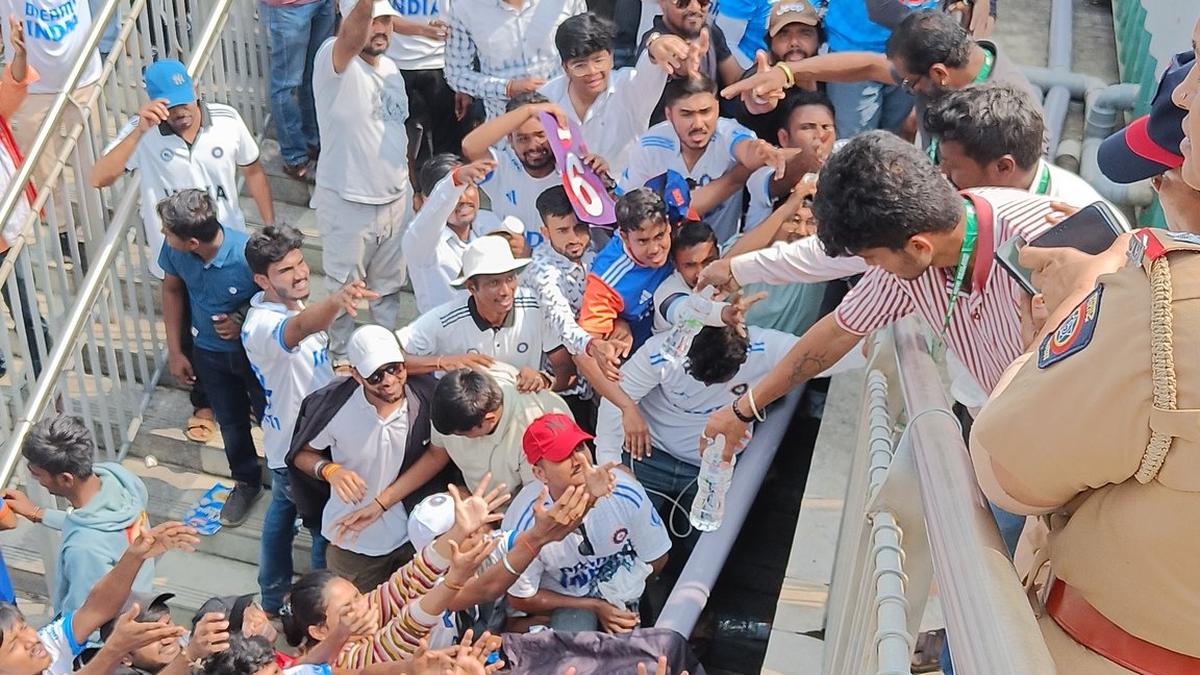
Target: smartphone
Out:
[1092,229]
[1007,256]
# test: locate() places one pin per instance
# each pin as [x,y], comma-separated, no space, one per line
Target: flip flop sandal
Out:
[200,429]
[927,657]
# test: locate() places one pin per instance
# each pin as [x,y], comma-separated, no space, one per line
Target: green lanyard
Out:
[989,60]
[1043,185]
[964,258]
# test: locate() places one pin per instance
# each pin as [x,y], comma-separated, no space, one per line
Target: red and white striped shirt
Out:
[985,329]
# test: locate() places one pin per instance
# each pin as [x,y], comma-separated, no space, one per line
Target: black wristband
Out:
[748,419]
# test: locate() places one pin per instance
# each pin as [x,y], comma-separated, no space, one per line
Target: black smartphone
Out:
[1092,229]
[1006,257]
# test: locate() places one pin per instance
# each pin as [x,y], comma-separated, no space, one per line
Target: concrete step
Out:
[174,490]
[161,436]
[284,189]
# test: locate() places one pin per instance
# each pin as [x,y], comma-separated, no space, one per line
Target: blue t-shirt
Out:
[848,28]
[220,286]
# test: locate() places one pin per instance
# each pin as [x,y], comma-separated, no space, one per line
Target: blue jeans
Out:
[294,33]
[279,531]
[31,318]
[863,106]
[662,474]
[235,394]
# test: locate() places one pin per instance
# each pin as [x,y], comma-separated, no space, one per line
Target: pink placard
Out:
[584,188]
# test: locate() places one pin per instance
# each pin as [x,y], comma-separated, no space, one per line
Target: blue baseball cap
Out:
[1149,145]
[676,193]
[168,79]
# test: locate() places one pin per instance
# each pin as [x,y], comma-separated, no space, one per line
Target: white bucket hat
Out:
[488,255]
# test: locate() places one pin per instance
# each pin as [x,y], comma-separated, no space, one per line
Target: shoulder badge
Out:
[1074,333]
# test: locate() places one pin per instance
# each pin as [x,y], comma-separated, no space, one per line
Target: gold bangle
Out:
[787,72]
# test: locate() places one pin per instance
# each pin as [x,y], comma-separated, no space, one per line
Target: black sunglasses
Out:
[683,4]
[389,369]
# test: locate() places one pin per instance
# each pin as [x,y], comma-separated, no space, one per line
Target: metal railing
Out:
[913,512]
[87,336]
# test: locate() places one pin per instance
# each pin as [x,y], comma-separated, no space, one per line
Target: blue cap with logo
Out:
[168,79]
[1150,144]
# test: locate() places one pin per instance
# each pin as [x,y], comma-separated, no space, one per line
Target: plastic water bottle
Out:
[688,324]
[708,509]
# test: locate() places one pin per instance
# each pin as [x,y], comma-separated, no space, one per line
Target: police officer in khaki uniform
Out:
[1097,428]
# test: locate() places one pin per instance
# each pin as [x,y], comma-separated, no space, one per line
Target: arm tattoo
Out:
[808,365]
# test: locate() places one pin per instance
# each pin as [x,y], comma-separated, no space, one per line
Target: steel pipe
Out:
[699,575]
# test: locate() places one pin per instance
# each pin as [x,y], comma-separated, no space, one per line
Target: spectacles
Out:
[586,66]
[393,369]
[683,4]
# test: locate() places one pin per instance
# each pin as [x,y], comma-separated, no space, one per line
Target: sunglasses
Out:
[390,369]
[683,4]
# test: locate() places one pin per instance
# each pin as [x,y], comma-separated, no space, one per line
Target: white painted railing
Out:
[913,511]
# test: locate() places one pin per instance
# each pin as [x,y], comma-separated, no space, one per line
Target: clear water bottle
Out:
[708,509]
[688,323]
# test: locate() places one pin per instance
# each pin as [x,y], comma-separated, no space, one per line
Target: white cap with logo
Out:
[430,519]
[371,347]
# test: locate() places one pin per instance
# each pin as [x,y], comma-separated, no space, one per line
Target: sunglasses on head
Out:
[390,369]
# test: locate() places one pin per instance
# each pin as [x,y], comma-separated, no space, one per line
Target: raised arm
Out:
[353,35]
[477,144]
[320,315]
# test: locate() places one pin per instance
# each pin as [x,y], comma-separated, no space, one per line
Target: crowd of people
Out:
[522,456]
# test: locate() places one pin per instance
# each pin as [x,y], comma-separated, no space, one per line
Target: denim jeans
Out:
[667,478]
[279,531]
[294,33]
[863,106]
[31,318]
[235,394]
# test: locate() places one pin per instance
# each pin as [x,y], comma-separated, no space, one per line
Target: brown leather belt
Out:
[1093,630]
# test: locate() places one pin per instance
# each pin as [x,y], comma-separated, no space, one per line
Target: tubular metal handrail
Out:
[699,575]
[95,285]
[913,511]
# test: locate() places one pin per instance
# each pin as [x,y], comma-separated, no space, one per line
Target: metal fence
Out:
[913,512]
[78,281]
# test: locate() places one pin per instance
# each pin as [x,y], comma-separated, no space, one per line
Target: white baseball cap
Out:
[372,347]
[488,255]
[378,8]
[430,519]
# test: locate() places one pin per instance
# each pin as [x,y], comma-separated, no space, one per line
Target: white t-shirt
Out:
[417,52]
[59,640]
[513,191]
[55,34]
[621,112]
[427,233]
[658,150]
[373,448]
[167,165]
[669,298]
[361,114]
[456,328]
[761,205]
[286,375]
[676,405]
[622,528]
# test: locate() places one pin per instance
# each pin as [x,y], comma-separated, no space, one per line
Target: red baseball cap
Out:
[553,436]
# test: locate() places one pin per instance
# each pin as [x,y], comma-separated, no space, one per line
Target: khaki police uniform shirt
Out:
[1066,433]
